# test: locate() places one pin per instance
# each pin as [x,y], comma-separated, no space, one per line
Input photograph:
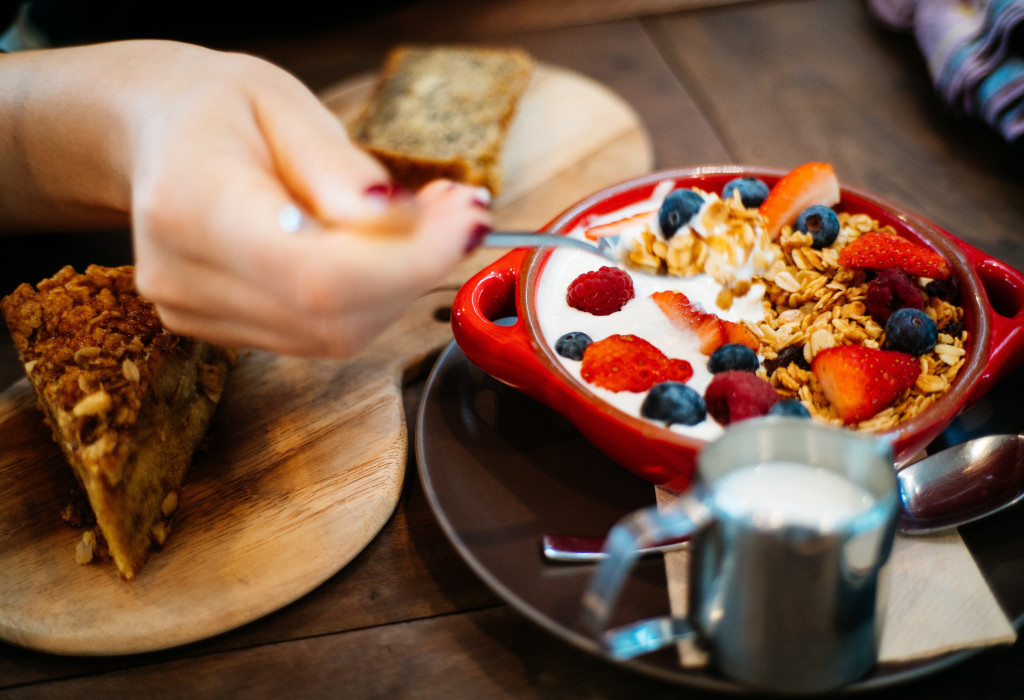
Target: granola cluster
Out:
[84,339]
[813,303]
[80,335]
[127,401]
[731,245]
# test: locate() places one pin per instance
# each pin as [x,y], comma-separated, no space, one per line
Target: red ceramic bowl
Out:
[992,297]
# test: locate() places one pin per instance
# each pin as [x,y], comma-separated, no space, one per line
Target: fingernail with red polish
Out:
[381,190]
[477,237]
[385,192]
[482,198]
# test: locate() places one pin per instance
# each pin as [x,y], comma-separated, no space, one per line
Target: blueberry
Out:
[676,211]
[673,402]
[911,331]
[733,356]
[789,407]
[571,345]
[752,191]
[819,221]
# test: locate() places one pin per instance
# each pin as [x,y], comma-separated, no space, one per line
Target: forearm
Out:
[69,123]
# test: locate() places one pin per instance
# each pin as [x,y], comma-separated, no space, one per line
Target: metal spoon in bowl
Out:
[607,246]
[953,487]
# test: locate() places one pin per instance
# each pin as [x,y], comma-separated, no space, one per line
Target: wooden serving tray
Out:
[306,458]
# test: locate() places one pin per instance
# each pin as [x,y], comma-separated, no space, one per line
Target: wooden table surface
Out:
[772,83]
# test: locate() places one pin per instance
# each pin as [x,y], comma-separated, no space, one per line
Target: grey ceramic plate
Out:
[500,470]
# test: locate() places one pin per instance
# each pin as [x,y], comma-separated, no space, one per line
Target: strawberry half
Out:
[879,250]
[860,381]
[613,228]
[712,330]
[810,183]
[630,363]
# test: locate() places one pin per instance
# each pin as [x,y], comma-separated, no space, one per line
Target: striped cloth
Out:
[975,53]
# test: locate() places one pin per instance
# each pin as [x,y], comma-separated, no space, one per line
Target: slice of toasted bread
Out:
[444,111]
[127,401]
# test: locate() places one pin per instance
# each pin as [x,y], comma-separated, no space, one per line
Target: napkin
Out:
[936,600]
[975,58]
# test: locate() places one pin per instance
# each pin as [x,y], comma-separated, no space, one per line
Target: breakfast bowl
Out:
[501,321]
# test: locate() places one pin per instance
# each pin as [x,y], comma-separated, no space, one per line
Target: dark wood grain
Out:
[622,56]
[797,81]
[771,83]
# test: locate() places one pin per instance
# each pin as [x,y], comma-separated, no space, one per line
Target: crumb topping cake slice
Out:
[128,402]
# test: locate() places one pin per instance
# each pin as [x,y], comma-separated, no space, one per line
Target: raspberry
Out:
[600,292]
[736,395]
[630,363]
[890,290]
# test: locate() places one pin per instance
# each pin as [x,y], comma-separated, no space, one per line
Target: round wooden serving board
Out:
[570,137]
[304,465]
[306,458]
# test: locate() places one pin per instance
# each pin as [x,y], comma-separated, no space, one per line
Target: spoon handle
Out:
[582,549]
[515,239]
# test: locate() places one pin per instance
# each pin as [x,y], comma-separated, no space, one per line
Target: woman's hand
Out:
[213,155]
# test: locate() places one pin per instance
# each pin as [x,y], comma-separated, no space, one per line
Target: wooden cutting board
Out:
[304,465]
[570,136]
[306,458]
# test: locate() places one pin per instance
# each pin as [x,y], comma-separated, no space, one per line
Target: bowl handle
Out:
[506,352]
[1004,287]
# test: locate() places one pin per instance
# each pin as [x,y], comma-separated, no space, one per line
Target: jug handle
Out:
[644,528]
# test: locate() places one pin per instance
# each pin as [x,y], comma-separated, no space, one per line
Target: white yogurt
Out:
[641,316]
[777,494]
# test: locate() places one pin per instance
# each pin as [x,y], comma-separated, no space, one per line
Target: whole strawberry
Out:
[860,381]
[630,363]
[881,249]
[600,292]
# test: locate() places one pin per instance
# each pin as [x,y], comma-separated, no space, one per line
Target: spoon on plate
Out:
[950,488]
